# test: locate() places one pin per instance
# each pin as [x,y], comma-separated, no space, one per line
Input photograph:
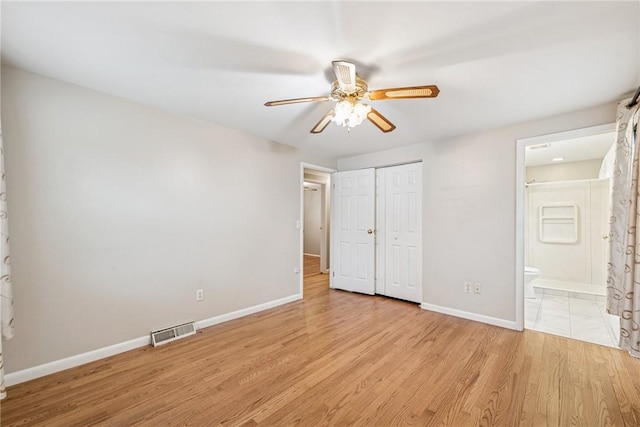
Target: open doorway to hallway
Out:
[315,208]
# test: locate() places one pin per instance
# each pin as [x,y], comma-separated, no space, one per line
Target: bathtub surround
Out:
[567,224]
[530,274]
[623,292]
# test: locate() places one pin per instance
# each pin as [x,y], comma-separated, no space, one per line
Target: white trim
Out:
[246,311]
[313,255]
[519,243]
[91,356]
[520,194]
[470,316]
[570,134]
[73,361]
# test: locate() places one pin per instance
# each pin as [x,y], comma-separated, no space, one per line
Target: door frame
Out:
[521,144]
[300,223]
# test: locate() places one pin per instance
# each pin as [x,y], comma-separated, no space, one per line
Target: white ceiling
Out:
[496,63]
[590,147]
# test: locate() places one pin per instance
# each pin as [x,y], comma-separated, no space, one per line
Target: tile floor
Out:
[570,314]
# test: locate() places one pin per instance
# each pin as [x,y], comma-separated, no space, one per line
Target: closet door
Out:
[403,232]
[352,231]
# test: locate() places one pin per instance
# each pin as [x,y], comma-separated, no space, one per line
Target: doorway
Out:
[562,216]
[314,224]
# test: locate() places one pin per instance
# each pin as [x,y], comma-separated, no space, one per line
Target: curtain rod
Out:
[634,100]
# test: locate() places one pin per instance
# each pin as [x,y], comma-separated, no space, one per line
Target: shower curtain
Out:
[6,295]
[623,268]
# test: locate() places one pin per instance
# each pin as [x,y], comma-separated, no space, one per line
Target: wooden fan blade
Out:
[319,127]
[380,121]
[346,75]
[430,91]
[297,100]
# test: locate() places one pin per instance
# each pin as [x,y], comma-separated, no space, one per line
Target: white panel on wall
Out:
[558,223]
[566,222]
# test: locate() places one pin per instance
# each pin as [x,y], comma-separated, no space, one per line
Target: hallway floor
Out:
[574,315]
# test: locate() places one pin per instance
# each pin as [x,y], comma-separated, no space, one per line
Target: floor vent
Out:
[173,333]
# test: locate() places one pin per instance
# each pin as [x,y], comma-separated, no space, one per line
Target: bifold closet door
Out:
[403,232]
[352,231]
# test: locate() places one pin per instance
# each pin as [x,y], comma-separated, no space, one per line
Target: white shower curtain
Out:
[623,275]
[6,294]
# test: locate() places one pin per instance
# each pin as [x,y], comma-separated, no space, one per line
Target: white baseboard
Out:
[73,361]
[246,311]
[508,324]
[314,255]
[91,356]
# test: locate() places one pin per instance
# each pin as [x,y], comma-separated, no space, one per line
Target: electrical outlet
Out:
[477,289]
[296,270]
[467,287]
[199,294]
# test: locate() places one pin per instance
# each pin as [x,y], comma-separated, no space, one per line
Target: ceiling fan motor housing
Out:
[360,91]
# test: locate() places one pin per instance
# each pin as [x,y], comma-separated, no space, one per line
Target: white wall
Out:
[118,212]
[469,210]
[585,169]
[312,216]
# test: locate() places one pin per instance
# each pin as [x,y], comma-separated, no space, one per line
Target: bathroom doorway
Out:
[563,226]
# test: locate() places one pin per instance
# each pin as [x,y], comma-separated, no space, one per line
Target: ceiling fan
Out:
[348,90]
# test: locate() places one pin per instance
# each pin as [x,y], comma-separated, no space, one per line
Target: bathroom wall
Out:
[586,169]
[566,222]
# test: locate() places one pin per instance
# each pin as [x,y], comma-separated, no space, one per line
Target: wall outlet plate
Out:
[199,294]
[468,287]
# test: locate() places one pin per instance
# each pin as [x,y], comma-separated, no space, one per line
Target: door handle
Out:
[370,231]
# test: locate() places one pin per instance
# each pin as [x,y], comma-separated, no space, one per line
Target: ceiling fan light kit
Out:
[348,90]
[350,114]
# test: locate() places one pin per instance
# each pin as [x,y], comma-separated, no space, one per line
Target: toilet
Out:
[530,273]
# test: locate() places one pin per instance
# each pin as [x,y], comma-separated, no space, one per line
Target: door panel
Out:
[404,232]
[353,209]
[380,231]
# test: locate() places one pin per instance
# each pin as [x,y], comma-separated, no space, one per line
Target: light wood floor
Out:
[337,358]
[311,265]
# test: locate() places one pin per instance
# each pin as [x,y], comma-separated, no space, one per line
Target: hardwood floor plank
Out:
[338,358]
[311,265]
